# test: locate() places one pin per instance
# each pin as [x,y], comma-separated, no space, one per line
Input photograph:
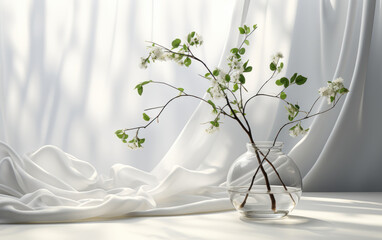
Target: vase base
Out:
[256,215]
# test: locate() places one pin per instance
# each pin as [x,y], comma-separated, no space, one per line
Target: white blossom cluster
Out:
[196,40]
[215,89]
[297,130]
[235,63]
[159,54]
[133,144]
[236,69]
[276,58]
[236,66]
[331,90]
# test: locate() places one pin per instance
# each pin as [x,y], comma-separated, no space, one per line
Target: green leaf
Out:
[283,95]
[242,31]
[241,79]
[193,34]
[212,104]
[215,123]
[254,27]
[140,90]
[332,99]
[245,64]
[247,29]
[146,82]
[234,112]
[300,80]
[216,72]
[139,87]
[279,83]
[187,62]
[234,50]
[181,90]
[146,117]
[284,81]
[121,134]
[207,74]
[242,51]
[293,78]
[235,87]
[343,90]
[189,38]
[248,69]
[227,77]
[176,43]
[272,66]
[140,141]
[246,42]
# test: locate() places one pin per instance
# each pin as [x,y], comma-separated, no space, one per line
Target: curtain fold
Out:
[63,71]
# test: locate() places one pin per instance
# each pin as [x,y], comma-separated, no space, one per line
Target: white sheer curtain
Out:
[73,88]
[69,68]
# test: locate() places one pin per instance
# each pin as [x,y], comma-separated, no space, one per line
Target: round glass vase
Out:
[264,183]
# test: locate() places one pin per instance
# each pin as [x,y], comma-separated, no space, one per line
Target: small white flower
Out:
[331,89]
[157,53]
[235,75]
[176,58]
[133,143]
[133,146]
[326,91]
[221,77]
[337,84]
[143,63]
[235,63]
[297,130]
[215,90]
[212,129]
[197,40]
[294,132]
[277,57]
[339,80]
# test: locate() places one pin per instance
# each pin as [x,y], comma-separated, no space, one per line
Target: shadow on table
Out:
[296,221]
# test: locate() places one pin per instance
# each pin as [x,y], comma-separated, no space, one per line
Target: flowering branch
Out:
[229,85]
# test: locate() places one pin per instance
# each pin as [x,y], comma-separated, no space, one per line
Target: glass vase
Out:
[264,183]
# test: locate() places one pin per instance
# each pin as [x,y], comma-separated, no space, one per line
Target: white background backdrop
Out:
[67,76]
[68,69]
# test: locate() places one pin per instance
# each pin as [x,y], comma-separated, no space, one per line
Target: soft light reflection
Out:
[337,200]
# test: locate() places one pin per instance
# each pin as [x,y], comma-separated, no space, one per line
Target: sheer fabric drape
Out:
[319,39]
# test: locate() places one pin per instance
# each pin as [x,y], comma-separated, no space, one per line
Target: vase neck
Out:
[264,146]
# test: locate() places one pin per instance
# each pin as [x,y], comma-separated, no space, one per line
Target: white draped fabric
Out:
[67,73]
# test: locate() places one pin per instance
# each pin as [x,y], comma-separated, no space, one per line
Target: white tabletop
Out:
[317,216]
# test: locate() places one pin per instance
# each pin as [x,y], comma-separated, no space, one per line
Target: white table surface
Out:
[317,216]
